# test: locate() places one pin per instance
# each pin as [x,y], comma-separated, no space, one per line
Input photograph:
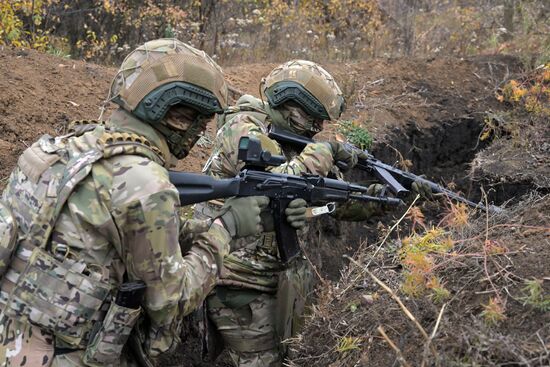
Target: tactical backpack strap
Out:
[44,219]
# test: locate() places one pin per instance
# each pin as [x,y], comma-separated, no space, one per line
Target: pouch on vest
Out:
[62,297]
[295,284]
[8,236]
[106,346]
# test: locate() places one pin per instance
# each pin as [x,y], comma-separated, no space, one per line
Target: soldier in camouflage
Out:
[95,209]
[258,302]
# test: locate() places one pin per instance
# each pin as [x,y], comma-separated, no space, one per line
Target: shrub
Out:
[355,134]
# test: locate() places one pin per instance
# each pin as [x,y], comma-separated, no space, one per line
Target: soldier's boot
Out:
[23,344]
[249,330]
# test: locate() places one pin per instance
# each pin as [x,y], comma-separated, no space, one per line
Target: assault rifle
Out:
[395,179]
[280,188]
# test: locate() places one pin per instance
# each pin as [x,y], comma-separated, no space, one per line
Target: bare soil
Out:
[428,111]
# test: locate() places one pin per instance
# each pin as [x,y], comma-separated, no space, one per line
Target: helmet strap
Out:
[180,142]
[260,90]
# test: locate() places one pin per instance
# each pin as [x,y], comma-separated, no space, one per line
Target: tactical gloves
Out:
[356,211]
[422,189]
[373,208]
[295,214]
[241,216]
[344,153]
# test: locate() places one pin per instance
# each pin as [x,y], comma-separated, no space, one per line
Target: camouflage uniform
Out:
[124,214]
[94,209]
[258,301]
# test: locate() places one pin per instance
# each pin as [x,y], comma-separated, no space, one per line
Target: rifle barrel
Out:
[382,200]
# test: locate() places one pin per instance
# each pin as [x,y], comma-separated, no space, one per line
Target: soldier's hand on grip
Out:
[376,208]
[344,154]
[296,213]
[241,216]
[422,189]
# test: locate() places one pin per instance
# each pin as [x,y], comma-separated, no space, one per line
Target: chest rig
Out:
[51,287]
[254,262]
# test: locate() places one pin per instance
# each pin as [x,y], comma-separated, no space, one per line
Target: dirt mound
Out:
[514,165]
[41,94]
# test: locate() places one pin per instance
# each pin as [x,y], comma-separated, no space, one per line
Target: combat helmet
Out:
[306,84]
[164,73]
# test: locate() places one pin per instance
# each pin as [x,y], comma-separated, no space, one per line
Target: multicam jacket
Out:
[255,263]
[123,218]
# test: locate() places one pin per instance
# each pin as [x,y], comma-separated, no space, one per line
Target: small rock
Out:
[367,299]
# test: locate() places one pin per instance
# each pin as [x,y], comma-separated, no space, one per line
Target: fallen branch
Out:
[403,307]
[364,269]
[432,336]
[400,357]
[486,255]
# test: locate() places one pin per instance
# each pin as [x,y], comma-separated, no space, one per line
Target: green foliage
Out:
[169,31]
[493,312]
[417,257]
[439,293]
[348,343]
[277,30]
[353,306]
[536,296]
[355,134]
[21,24]
[59,52]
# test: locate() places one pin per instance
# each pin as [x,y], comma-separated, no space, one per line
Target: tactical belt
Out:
[257,344]
[57,351]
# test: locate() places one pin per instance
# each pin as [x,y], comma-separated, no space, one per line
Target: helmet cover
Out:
[167,72]
[307,84]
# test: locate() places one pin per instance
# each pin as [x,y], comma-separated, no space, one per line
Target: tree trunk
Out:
[409,27]
[508,20]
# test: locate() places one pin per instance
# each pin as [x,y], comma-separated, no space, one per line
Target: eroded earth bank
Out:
[477,284]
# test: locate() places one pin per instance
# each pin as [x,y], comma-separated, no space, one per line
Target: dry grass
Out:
[485,320]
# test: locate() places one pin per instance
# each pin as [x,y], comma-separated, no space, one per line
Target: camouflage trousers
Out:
[254,324]
[249,331]
[23,344]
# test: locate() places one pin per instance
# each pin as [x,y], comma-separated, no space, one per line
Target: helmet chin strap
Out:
[180,142]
